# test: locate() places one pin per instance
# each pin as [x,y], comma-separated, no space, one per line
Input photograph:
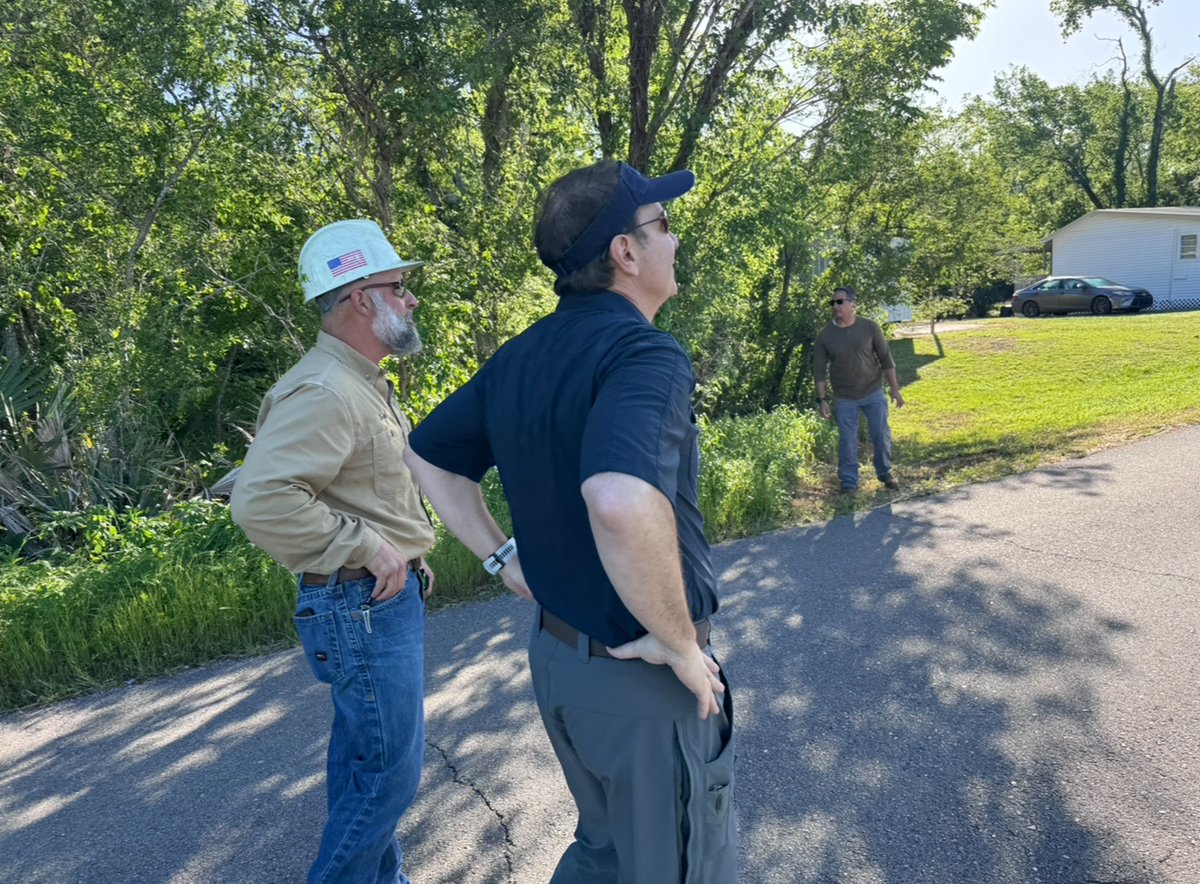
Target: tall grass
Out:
[189,590]
[193,590]
[145,596]
[751,467]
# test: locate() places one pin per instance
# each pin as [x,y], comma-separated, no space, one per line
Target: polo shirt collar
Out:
[607,301]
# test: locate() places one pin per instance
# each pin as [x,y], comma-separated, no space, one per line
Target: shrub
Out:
[750,468]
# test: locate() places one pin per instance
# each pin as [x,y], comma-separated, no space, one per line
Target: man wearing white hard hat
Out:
[325,492]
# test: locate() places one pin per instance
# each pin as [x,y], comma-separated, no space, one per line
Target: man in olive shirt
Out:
[853,351]
[325,492]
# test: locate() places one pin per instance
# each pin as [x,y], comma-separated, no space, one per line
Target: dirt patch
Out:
[919,329]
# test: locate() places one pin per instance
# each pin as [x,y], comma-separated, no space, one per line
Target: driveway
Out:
[997,684]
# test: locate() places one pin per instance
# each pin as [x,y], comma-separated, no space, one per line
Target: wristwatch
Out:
[495,563]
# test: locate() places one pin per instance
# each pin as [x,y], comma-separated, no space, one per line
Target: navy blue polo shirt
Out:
[592,388]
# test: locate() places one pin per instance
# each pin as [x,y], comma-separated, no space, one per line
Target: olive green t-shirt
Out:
[856,357]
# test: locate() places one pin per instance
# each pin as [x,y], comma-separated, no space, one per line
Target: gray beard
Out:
[395,332]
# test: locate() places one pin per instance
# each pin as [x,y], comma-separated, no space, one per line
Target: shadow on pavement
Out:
[903,720]
[196,774]
[917,702]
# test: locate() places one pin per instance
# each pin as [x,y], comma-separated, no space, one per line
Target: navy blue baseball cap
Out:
[633,190]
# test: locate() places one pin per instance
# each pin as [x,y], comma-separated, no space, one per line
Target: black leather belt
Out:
[308,578]
[569,635]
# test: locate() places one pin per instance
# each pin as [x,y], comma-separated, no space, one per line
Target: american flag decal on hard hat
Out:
[345,263]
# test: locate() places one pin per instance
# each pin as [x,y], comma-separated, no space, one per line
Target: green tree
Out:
[149,184]
[1073,13]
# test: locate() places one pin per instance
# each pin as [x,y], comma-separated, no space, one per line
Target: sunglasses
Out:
[661,219]
[838,301]
[398,288]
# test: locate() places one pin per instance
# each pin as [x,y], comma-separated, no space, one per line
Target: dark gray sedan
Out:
[1069,294]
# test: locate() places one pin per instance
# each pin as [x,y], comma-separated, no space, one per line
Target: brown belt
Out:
[569,635]
[308,578]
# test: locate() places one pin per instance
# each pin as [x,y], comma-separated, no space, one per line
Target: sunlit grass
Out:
[1003,396]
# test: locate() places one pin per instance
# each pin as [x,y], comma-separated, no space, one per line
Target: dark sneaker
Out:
[889,482]
[849,490]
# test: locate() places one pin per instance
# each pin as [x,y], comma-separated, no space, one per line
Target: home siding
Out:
[1135,250]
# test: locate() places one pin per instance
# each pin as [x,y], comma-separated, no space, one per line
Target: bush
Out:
[750,468]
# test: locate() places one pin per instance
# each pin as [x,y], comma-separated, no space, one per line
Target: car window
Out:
[1100,281]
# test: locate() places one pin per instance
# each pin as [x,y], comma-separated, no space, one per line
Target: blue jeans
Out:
[875,407]
[372,656]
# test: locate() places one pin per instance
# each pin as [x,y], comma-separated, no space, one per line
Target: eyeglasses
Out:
[661,219]
[838,301]
[398,288]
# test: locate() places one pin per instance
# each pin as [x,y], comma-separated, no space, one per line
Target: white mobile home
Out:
[1153,248]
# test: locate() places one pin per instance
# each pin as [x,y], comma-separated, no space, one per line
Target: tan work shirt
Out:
[324,482]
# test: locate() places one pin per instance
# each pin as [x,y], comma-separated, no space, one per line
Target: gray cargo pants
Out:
[652,782]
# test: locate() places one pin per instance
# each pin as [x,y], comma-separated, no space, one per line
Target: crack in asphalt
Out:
[1092,560]
[509,844]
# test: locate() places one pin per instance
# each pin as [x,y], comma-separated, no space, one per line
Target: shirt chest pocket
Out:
[387,463]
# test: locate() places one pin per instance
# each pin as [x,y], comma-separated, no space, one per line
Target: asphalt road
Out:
[995,685]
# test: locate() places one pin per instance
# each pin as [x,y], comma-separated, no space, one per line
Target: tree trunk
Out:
[1124,131]
[644,21]
[592,28]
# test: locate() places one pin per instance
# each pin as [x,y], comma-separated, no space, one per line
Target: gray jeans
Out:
[652,782]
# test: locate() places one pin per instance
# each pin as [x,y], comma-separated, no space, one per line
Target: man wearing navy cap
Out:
[587,416]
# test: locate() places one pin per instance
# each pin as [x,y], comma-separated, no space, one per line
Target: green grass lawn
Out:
[990,398]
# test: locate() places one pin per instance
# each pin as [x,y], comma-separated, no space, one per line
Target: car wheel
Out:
[1101,305]
[1031,309]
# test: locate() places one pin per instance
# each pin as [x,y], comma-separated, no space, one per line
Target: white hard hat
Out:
[343,252]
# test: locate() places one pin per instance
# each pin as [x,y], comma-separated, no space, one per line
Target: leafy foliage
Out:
[751,468]
[163,160]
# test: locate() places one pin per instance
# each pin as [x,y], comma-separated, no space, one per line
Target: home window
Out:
[1187,246]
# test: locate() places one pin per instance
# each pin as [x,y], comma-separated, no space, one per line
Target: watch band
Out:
[495,563]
